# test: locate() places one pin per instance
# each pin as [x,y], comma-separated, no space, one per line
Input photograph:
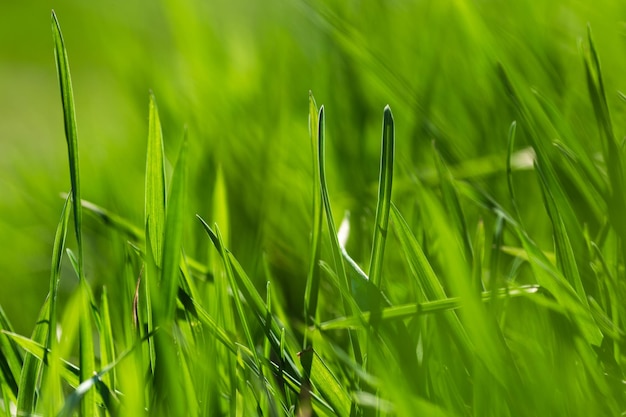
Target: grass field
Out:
[313,208]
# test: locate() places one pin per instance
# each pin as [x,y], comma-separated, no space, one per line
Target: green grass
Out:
[464,278]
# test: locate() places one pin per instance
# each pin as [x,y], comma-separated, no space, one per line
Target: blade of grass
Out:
[383,207]
[405,311]
[87,361]
[69,372]
[334,242]
[155,184]
[169,394]
[313,277]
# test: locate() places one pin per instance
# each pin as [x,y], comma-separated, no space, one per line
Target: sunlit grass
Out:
[484,294]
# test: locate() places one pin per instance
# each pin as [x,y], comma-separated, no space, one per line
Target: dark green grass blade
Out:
[155,184]
[11,360]
[383,207]
[313,277]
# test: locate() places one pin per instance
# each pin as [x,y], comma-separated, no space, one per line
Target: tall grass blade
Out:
[169,396]
[173,235]
[71,135]
[155,184]
[383,207]
[313,277]
[334,242]
[86,350]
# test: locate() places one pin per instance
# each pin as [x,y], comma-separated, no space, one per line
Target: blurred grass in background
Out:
[237,73]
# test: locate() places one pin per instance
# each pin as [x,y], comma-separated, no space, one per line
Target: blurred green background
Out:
[237,74]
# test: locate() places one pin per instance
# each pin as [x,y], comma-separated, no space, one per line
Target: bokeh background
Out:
[237,74]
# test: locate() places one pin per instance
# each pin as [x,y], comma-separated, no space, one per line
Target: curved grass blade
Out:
[383,207]
[155,184]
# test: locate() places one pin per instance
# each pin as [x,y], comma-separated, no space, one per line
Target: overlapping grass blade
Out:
[11,359]
[32,368]
[69,372]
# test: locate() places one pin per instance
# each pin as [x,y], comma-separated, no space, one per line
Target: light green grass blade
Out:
[383,207]
[107,342]
[155,184]
[564,251]
[405,311]
[71,135]
[328,383]
[313,277]
[169,394]
[174,235]
[53,381]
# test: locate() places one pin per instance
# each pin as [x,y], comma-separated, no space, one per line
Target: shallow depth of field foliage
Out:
[312,208]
